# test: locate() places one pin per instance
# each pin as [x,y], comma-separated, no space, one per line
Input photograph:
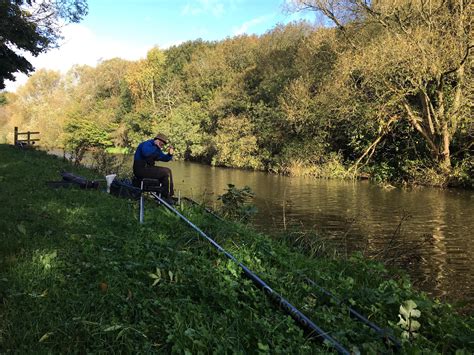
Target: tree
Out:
[236,144]
[206,72]
[184,126]
[99,96]
[275,66]
[32,26]
[82,135]
[264,81]
[178,56]
[40,105]
[410,58]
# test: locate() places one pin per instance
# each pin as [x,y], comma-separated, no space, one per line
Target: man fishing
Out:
[144,159]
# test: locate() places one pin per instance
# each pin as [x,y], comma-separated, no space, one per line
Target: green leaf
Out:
[190,332]
[407,310]
[121,333]
[414,325]
[156,276]
[112,328]
[21,228]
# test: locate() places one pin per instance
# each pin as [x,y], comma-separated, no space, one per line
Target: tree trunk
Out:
[153,93]
[445,158]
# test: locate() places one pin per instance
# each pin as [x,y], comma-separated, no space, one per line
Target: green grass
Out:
[78,273]
[117,150]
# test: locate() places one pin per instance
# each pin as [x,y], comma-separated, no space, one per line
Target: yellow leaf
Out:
[45,336]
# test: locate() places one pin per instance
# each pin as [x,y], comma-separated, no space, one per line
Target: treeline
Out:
[386,93]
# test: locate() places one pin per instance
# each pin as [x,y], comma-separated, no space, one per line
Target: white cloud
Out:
[13,85]
[246,26]
[199,7]
[80,46]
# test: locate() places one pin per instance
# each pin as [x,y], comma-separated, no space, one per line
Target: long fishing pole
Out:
[296,314]
[352,311]
[357,315]
[208,210]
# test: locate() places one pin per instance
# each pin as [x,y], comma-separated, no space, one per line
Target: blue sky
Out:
[129,28]
[166,22]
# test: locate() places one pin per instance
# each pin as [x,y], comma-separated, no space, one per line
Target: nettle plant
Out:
[235,203]
[408,323]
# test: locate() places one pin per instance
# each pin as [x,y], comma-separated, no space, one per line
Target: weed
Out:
[235,203]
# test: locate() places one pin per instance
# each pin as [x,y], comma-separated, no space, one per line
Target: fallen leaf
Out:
[103,287]
[45,336]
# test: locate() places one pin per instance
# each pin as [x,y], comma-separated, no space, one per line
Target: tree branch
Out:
[319,7]
[450,71]
[371,149]
[427,109]
[414,122]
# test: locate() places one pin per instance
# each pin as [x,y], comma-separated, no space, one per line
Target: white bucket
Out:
[109,179]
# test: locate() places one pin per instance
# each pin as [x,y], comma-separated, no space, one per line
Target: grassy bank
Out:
[79,274]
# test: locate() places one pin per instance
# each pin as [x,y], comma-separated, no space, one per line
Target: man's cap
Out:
[161,137]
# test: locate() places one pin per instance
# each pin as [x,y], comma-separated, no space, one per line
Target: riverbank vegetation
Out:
[78,273]
[384,92]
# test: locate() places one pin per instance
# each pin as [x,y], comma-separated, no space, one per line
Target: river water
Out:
[433,228]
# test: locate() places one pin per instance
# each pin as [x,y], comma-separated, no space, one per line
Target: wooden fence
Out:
[28,141]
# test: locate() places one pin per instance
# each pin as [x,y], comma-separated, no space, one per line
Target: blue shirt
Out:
[147,150]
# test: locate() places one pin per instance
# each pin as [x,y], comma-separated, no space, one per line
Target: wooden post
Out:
[15,136]
[28,138]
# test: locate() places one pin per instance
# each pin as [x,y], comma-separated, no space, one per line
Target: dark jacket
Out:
[149,152]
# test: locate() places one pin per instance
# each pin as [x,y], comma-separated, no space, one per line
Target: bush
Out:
[235,203]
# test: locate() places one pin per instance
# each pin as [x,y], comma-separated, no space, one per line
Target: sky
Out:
[129,28]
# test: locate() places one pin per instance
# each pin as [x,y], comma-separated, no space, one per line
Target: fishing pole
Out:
[208,210]
[296,314]
[352,311]
[357,315]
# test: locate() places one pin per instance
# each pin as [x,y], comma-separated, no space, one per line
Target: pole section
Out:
[142,204]
[302,320]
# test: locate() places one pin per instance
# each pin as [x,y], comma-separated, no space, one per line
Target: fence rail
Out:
[28,140]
